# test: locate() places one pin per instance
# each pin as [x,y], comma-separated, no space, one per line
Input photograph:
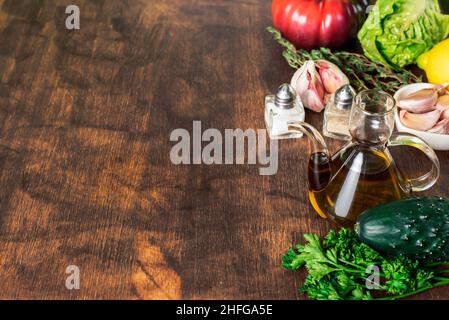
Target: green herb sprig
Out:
[340,265]
[362,72]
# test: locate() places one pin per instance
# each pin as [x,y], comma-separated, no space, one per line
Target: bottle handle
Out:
[317,141]
[427,180]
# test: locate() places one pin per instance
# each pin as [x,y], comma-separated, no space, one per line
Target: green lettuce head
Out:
[397,32]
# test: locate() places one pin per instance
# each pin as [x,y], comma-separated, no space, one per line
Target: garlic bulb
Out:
[307,84]
[315,81]
[333,78]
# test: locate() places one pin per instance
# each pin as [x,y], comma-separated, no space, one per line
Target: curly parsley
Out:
[340,266]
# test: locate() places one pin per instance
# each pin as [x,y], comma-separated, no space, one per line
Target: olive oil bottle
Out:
[363,174]
[361,179]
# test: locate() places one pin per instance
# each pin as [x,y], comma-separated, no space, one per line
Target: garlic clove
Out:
[313,101]
[420,101]
[443,102]
[309,87]
[441,127]
[331,76]
[443,105]
[445,114]
[299,79]
[441,89]
[421,121]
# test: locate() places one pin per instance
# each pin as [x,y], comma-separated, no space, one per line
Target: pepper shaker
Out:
[280,109]
[338,113]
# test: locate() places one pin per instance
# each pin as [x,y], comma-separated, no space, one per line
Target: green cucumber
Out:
[414,227]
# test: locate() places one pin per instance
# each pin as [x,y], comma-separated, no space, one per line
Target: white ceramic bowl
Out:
[435,140]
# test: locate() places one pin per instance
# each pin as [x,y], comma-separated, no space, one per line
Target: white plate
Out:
[435,140]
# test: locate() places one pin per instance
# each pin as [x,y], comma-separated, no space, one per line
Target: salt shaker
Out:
[338,112]
[280,109]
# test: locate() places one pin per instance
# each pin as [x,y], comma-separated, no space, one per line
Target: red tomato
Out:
[310,24]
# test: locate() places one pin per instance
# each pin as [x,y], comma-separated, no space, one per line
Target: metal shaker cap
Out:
[285,97]
[344,97]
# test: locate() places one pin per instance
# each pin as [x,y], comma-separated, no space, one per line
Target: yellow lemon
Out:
[436,63]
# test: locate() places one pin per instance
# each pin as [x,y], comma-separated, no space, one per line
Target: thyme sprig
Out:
[362,72]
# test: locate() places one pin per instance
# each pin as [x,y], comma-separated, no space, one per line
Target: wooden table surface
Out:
[85,171]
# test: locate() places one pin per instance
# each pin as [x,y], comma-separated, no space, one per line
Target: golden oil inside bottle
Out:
[353,181]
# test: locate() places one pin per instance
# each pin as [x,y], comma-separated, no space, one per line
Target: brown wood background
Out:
[85,173]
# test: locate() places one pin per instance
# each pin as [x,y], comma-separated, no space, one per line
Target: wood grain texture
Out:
[85,172]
